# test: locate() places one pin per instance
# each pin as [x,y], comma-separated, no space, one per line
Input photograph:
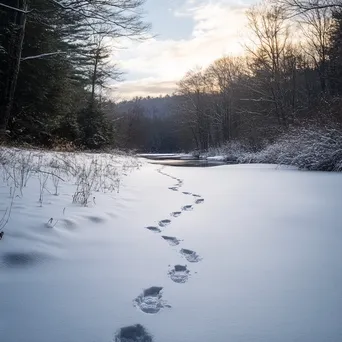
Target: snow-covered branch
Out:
[43,55]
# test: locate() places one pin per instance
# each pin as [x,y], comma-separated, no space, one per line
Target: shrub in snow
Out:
[90,173]
[100,174]
[17,167]
[311,148]
[229,151]
[85,183]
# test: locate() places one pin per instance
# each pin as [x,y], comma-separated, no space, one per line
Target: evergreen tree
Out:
[53,61]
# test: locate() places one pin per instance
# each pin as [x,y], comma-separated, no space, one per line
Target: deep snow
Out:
[267,262]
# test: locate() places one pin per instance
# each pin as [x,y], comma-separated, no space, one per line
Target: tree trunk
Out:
[93,81]
[14,67]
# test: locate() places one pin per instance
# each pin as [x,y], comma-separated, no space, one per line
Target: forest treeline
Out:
[289,77]
[54,63]
[55,60]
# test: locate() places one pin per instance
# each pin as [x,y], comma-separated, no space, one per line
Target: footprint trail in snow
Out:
[151,300]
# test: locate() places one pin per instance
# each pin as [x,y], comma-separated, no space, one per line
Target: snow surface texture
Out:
[269,243]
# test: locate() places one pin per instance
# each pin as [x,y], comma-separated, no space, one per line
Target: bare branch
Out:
[299,7]
[43,55]
[16,9]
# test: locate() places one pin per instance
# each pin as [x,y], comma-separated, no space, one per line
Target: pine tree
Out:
[44,72]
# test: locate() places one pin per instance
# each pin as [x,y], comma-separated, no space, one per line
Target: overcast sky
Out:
[189,33]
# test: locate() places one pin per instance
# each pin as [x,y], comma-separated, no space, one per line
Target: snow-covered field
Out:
[229,253]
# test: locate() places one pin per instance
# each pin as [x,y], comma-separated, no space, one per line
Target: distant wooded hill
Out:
[149,106]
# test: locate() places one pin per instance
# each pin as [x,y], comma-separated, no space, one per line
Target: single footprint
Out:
[187,193]
[179,274]
[172,241]
[150,301]
[199,201]
[174,188]
[190,255]
[133,333]
[195,195]
[187,208]
[176,213]
[164,223]
[153,229]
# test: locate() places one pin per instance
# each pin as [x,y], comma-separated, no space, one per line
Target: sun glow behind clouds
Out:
[154,66]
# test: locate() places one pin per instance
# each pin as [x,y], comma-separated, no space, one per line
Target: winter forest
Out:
[284,91]
[161,175]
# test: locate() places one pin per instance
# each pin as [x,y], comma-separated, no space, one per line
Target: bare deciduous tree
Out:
[194,89]
[316,27]
[270,52]
[302,6]
[223,76]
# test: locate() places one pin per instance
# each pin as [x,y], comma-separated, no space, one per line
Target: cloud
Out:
[153,66]
[143,87]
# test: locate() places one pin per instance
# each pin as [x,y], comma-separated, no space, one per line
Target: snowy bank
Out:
[306,148]
[217,158]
